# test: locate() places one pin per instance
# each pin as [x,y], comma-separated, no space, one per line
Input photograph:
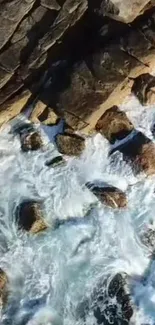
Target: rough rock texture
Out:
[110,196]
[127,10]
[29,217]
[144,89]
[140,152]
[3,287]
[96,58]
[114,124]
[31,141]
[148,238]
[70,144]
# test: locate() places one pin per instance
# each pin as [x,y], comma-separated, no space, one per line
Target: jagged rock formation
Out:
[98,56]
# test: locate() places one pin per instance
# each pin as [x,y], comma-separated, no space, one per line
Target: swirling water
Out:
[51,273]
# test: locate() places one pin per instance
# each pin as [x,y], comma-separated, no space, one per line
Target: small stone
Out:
[110,196]
[114,124]
[29,216]
[48,117]
[31,141]
[70,144]
[56,161]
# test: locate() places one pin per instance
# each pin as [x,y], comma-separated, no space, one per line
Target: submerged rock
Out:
[114,124]
[110,302]
[70,144]
[110,196]
[148,238]
[29,216]
[31,141]
[55,161]
[3,287]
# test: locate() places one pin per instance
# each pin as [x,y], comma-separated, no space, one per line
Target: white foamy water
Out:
[51,273]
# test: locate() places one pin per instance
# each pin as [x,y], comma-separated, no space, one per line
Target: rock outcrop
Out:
[95,57]
[110,196]
[70,144]
[114,124]
[29,216]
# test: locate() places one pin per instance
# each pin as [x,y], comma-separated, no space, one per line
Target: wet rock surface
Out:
[56,161]
[31,141]
[114,124]
[140,152]
[3,287]
[144,89]
[110,301]
[29,216]
[110,196]
[70,144]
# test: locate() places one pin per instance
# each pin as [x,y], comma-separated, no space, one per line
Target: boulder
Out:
[144,89]
[31,141]
[3,287]
[148,238]
[29,216]
[110,196]
[140,152]
[70,144]
[114,124]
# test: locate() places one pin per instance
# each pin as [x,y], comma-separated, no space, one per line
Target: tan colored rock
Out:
[50,4]
[29,217]
[114,124]
[14,106]
[31,141]
[44,114]
[3,287]
[110,196]
[125,11]
[70,144]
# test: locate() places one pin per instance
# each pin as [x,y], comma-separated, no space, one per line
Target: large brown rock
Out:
[114,124]
[29,217]
[70,144]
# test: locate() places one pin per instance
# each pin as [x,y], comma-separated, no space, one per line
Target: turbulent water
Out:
[50,274]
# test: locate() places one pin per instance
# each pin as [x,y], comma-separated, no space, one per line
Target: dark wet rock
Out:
[148,238]
[144,89]
[29,216]
[70,144]
[140,152]
[110,301]
[56,161]
[114,124]
[31,141]
[110,196]
[3,287]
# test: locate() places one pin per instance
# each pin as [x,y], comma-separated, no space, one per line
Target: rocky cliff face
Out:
[84,51]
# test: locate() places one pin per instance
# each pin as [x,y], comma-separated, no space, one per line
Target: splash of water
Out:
[50,274]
